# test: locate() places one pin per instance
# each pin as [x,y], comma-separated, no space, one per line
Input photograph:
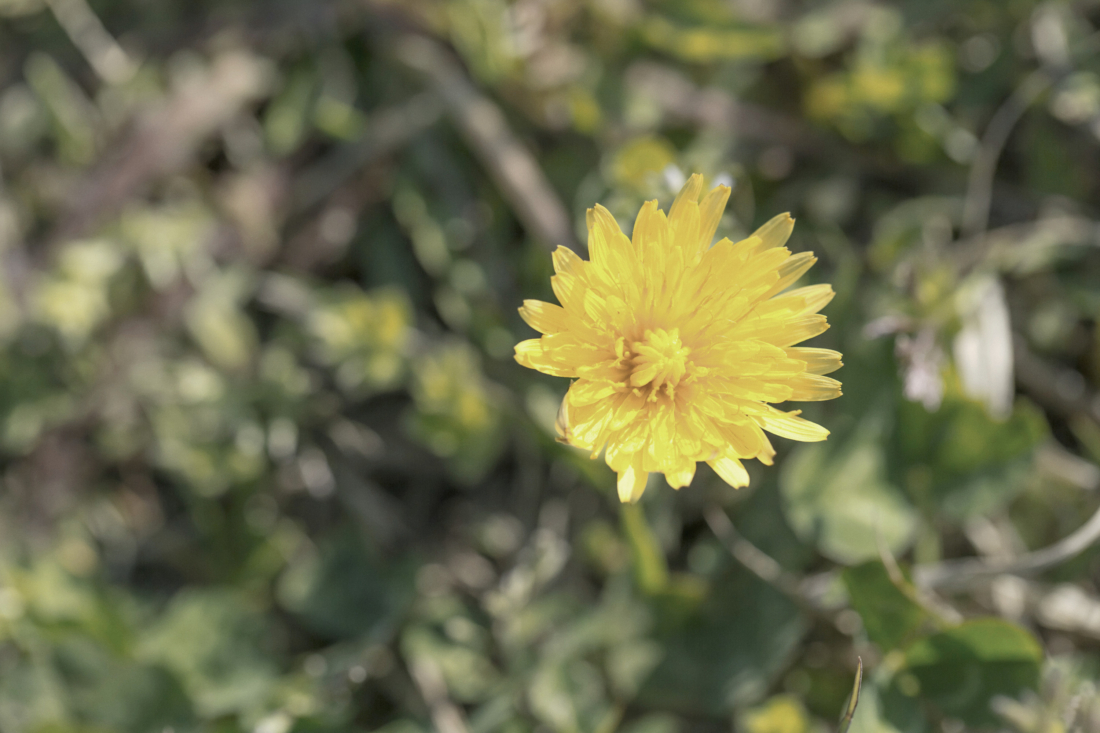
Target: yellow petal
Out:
[683,215]
[600,235]
[741,439]
[767,453]
[587,422]
[682,476]
[561,424]
[748,247]
[685,230]
[814,297]
[583,392]
[649,226]
[627,410]
[566,261]
[651,241]
[689,193]
[569,348]
[761,267]
[781,333]
[731,470]
[776,232]
[544,317]
[818,361]
[790,425]
[530,354]
[813,388]
[612,251]
[792,269]
[632,483]
[710,213]
[606,312]
[569,290]
[757,388]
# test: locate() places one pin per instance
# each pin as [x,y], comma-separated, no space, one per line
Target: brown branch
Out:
[979,193]
[1009,246]
[955,574]
[749,555]
[513,167]
[681,101]
[88,34]
[446,716]
[388,129]
[1044,382]
[164,140]
[809,593]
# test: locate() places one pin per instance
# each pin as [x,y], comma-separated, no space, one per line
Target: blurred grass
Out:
[267,464]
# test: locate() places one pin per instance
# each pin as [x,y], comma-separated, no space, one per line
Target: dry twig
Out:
[681,100]
[755,560]
[446,716]
[979,191]
[950,575]
[164,140]
[808,593]
[387,130]
[481,122]
[957,574]
[88,34]
[1059,389]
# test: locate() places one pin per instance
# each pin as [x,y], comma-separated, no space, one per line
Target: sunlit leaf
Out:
[839,498]
[961,669]
[889,612]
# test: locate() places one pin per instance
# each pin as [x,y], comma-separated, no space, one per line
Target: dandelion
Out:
[678,349]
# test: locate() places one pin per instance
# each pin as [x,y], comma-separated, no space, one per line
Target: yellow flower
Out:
[678,349]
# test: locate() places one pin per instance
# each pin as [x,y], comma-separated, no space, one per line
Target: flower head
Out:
[678,349]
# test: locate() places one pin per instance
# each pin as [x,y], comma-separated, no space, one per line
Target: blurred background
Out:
[267,463]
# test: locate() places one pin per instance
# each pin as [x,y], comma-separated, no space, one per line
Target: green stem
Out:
[650,568]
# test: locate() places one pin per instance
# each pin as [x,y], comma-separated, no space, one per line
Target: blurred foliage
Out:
[267,464]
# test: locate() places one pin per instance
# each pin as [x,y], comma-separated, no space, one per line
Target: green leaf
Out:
[960,670]
[889,613]
[449,637]
[653,723]
[114,694]
[853,700]
[963,462]
[838,498]
[759,517]
[341,591]
[466,669]
[883,710]
[570,695]
[213,640]
[727,650]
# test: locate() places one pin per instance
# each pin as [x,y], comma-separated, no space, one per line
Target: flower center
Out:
[660,360]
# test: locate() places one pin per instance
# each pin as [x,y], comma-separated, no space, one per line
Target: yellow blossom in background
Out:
[780,714]
[679,349]
[364,334]
[457,411]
